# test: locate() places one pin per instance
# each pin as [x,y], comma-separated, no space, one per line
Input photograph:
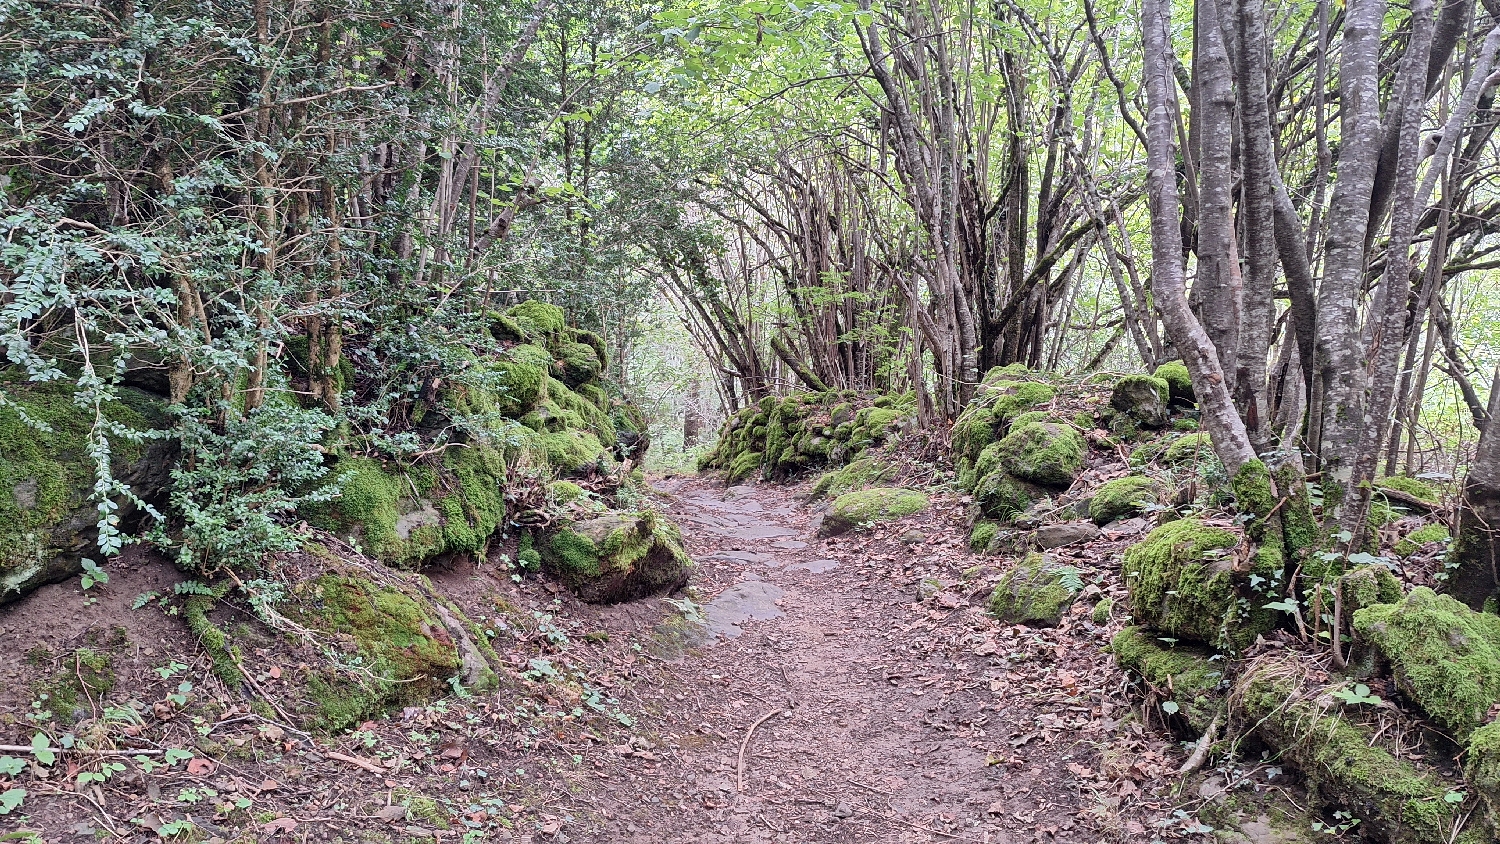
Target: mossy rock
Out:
[1044,453]
[405,652]
[1179,382]
[1004,497]
[871,425]
[595,342]
[48,522]
[576,364]
[1036,592]
[572,450]
[1182,580]
[1189,448]
[1424,535]
[1344,766]
[863,471]
[1144,398]
[987,417]
[1188,675]
[618,556]
[982,535]
[537,320]
[1102,611]
[1445,656]
[1123,498]
[496,388]
[880,504]
[1482,771]
[405,517]
[1366,586]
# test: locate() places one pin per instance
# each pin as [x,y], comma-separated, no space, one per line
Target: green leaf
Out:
[42,750]
[1170,708]
[9,800]
[10,766]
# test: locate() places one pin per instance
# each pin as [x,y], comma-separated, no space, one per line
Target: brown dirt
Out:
[883,716]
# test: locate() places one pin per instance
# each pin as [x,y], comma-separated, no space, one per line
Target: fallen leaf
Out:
[279,825]
[391,814]
[199,767]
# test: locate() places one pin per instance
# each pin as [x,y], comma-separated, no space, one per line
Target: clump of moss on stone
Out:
[1003,497]
[1143,397]
[570,450]
[879,504]
[1102,610]
[537,319]
[1044,453]
[1122,498]
[743,466]
[223,655]
[862,472]
[1482,770]
[1037,591]
[1186,674]
[982,535]
[1413,542]
[1179,381]
[1394,799]
[619,556]
[575,363]
[1419,490]
[1189,448]
[1182,580]
[1445,656]
[1366,586]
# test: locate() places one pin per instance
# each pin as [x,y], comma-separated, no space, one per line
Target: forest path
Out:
[881,718]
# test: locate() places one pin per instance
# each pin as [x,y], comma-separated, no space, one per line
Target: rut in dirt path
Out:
[880,719]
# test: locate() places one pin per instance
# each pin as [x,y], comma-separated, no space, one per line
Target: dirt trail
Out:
[881,719]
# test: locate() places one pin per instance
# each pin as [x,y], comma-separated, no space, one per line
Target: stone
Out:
[1144,398]
[1047,537]
[880,504]
[1037,592]
[1123,498]
[619,556]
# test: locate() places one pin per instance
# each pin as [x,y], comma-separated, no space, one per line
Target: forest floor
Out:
[814,690]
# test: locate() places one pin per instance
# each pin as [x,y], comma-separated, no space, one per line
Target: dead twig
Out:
[740,782]
[355,761]
[1200,753]
[88,751]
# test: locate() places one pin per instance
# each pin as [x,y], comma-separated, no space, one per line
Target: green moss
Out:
[1185,674]
[595,395]
[864,471]
[1003,497]
[571,450]
[499,387]
[595,342]
[619,556]
[744,465]
[81,681]
[1413,542]
[1043,453]
[880,504]
[1345,770]
[1182,580]
[982,535]
[577,363]
[1179,382]
[565,492]
[47,473]
[1482,769]
[1037,591]
[404,651]
[530,559]
[1143,397]
[223,655]
[537,319]
[1102,611]
[1189,448]
[588,415]
[1122,498]
[1411,486]
[1017,397]
[1366,586]
[1445,656]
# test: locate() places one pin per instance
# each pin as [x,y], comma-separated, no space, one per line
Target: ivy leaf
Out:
[9,800]
[42,750]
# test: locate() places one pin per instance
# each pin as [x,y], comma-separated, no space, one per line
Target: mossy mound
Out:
[1345,768]
[1187,675]
[406,516]
[576,364]
[1424,535]
[1044,453]
[1003,497]
[1420,490]
[1445,656]
[537,320]
[1037,591]
[1482,771]
[982,535]
[1366,586]
[1143,398]
[782,436]
[1182,580]
[405,652]
[1189,448]
[1179,382]
[990,416]
[48,523]
[1123,498]
[618,556]
[864,471]
[880,504]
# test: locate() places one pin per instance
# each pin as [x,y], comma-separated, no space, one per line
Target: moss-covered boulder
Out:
[1183,580]
[879,504]
[989,417]
[405,516]
[1366,586]
[537,320]
[1189,449]
[1179,382]
[1142,397]
[1343,762]
[982,535]
[1037,591]
[1003,497]
[404,650]
[1421,537]
[1045,453]
[1482,771]
[576,364]
[618,556]
[1186,675]
[48,523]
[864,471]
[1445,656]
[1123,498]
